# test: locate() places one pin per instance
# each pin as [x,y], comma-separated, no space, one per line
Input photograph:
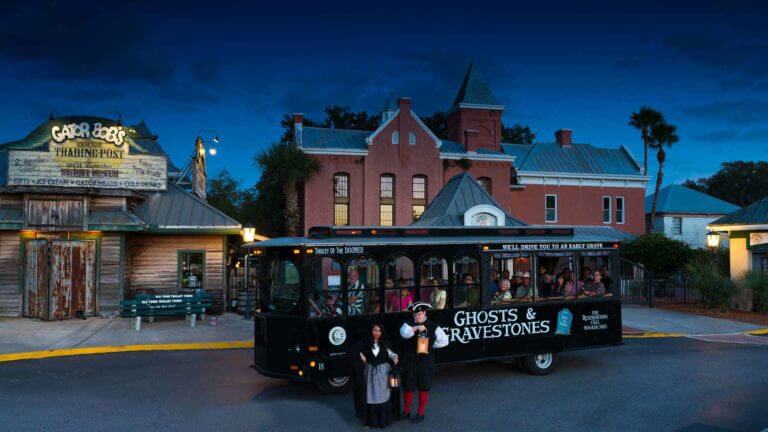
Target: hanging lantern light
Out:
[713,239]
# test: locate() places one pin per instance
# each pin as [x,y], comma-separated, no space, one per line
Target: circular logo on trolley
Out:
[337,335]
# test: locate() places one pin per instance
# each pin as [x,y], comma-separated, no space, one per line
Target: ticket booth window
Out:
[191,269]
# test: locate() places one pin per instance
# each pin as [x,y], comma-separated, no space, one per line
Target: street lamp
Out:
[249,233]
[713,240]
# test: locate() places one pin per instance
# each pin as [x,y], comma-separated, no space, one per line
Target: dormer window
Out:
[411,138]
[395,137]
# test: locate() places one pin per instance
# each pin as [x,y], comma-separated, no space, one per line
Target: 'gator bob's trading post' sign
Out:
[87,155]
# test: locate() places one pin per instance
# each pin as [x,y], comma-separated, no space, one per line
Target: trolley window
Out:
[434,282]
[325,299]
[555,276]
[466,286]
[510,278]
[398,284]
[363,286]
[592,262]
[283,294]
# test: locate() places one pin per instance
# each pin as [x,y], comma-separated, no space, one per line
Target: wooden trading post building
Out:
[93,211]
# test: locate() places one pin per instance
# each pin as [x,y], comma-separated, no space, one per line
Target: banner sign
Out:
[551,246]
[87,155]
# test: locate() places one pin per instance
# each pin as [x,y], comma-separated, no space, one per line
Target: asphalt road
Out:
[645,385]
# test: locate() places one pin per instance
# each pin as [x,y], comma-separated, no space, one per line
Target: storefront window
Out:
[283,294]
[363,286]
[398,284]
[466,285]
[325,299]
[192,269]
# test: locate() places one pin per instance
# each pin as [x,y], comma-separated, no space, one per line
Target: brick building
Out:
[388,176]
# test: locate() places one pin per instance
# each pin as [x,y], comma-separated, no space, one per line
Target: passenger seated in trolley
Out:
[546,285]
[594,287]
[519,290]
[329,309]
[356,293]
[437,296]
[406,298]
[503,295]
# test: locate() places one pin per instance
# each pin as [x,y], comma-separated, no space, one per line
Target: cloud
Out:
[716,136]
[740,112]
[732,135]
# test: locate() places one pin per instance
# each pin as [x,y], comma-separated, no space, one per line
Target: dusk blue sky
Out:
[238,67]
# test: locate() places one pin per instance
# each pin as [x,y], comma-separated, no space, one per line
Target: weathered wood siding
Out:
[153,260]
[107,203]
[111,272]
[10,244]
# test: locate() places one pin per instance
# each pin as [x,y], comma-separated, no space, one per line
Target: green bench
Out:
[152,305]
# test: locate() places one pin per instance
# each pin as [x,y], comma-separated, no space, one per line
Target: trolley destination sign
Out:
[87,155]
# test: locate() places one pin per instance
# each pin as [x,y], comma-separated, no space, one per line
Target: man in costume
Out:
[422,337]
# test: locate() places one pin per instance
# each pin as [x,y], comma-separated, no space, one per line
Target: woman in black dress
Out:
[376,355]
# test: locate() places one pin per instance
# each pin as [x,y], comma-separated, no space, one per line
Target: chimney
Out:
[404,104]
[199,178]
[564,137]
[298,128]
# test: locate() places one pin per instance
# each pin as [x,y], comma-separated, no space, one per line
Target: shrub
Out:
[757,282]
[658,253]
[714,289]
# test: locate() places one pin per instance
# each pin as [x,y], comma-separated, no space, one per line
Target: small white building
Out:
[683,214]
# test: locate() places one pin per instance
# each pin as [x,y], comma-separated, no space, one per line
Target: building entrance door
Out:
[59,278]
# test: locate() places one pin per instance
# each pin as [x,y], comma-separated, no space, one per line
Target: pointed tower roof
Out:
[460,194]
[475,92]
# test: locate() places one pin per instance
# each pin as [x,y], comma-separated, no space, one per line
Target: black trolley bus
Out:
[320,294]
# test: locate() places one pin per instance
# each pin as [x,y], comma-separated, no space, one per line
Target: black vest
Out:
[411,344]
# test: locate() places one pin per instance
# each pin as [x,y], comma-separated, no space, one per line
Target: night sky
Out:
[238,67]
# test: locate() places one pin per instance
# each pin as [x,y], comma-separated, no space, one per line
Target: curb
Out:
[31,355]
[651,335]
[759,332]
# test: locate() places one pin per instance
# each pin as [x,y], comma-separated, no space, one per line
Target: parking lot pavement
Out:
[675,384]
[665,321]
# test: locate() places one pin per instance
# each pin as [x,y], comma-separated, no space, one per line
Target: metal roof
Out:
[581,234]
[474,91]
[327,138]
[459,194]
[753,214]
[576,158]
[680,199]
[176,209]
[113,220]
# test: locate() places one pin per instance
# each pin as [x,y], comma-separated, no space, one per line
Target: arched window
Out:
[411,138]
[340,199]
[363,286]
[398,283]
[419,196]
[466,285]
[434,281]
[387,200]
[325,299]
[395,137]
[485,183]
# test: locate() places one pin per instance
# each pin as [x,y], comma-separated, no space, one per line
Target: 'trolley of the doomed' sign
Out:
[87,155]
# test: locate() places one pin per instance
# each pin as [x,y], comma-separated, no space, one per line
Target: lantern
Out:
[249,233]
[713,239]
[394,379]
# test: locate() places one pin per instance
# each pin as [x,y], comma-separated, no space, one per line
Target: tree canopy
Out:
[517,134]
[739,182]
[658,253]
[226,194]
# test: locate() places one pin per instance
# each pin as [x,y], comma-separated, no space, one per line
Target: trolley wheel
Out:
[336,385]
[539,364]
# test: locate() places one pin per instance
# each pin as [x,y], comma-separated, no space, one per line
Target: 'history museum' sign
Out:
[87,155]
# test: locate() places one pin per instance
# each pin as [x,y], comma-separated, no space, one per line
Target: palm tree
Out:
[285,167]
[644,120]
[662,134]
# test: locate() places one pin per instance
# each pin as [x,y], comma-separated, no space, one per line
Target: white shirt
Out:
[441,339]
[375,350]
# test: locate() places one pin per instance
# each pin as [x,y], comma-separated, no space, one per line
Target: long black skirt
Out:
[384,414]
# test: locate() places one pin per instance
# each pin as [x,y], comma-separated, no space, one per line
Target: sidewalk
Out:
[25,335]
[657,320]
